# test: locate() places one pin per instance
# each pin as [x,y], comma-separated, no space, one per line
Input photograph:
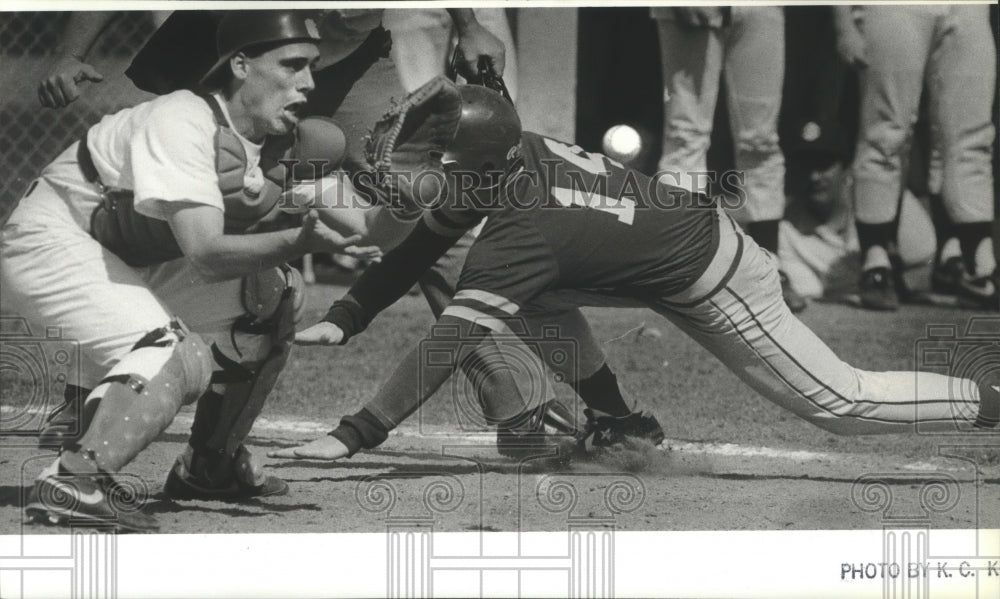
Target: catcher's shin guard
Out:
[141,394]
[216,463]
[222,429]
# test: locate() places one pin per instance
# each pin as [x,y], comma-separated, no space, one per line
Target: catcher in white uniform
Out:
[355,79]
[140,242]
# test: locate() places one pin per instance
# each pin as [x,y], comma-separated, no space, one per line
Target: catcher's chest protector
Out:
[142,241]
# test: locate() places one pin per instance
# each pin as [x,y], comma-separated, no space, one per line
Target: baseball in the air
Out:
[622,143]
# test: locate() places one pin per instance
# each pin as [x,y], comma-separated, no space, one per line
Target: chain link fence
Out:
[29,47]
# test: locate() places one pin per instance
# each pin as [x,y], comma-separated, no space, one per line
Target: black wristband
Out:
[348,315]
[360,431]
[349,436]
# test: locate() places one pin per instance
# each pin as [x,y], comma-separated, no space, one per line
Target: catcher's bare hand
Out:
[316,236]
[61,86]
[365,253]
[321,333]
[477,42]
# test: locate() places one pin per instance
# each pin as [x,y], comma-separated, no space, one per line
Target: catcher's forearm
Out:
[234,256]
[199,231]
[382,284]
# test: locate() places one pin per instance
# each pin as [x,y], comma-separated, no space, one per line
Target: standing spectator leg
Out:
[962,83]
[423,39]
[691,60]
[754,72]
[898,42]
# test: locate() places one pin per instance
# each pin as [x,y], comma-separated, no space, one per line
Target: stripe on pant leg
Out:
[796,363]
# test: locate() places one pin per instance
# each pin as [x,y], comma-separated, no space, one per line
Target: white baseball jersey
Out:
[163,150]
[54,273]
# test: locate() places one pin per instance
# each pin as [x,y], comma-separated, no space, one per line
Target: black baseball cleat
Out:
[951,278]
[877,289]
[610,431]
[549,427]
[795,302]
[241,478]
[64,499]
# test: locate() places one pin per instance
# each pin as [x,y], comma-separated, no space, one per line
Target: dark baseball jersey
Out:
[566,224]
[586,227]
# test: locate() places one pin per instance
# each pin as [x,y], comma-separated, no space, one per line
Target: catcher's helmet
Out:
[240,29]
[488,138]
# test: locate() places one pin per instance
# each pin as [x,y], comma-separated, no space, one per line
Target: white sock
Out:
[950,249]
[876,257]
[986,261]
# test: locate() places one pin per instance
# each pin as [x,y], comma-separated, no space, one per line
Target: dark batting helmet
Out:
[488,139]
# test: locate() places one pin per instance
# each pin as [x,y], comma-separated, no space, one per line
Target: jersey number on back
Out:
[622,208]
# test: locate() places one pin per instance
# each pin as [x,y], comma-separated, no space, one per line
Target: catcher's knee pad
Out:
[274,300]
[261,340]
[141,394]
[170,364]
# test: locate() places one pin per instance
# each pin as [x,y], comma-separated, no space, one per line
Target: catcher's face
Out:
[274,87]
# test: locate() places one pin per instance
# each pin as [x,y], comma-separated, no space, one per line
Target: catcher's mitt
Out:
[407,143]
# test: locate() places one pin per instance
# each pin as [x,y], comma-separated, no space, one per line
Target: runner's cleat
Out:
[609,431]
[549,427]
[64,499]
[242,478]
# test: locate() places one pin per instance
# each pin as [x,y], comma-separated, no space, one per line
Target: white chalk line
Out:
[283,425]
[488,438]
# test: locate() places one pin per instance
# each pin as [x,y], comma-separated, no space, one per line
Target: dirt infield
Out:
[732,460]
[460,484]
